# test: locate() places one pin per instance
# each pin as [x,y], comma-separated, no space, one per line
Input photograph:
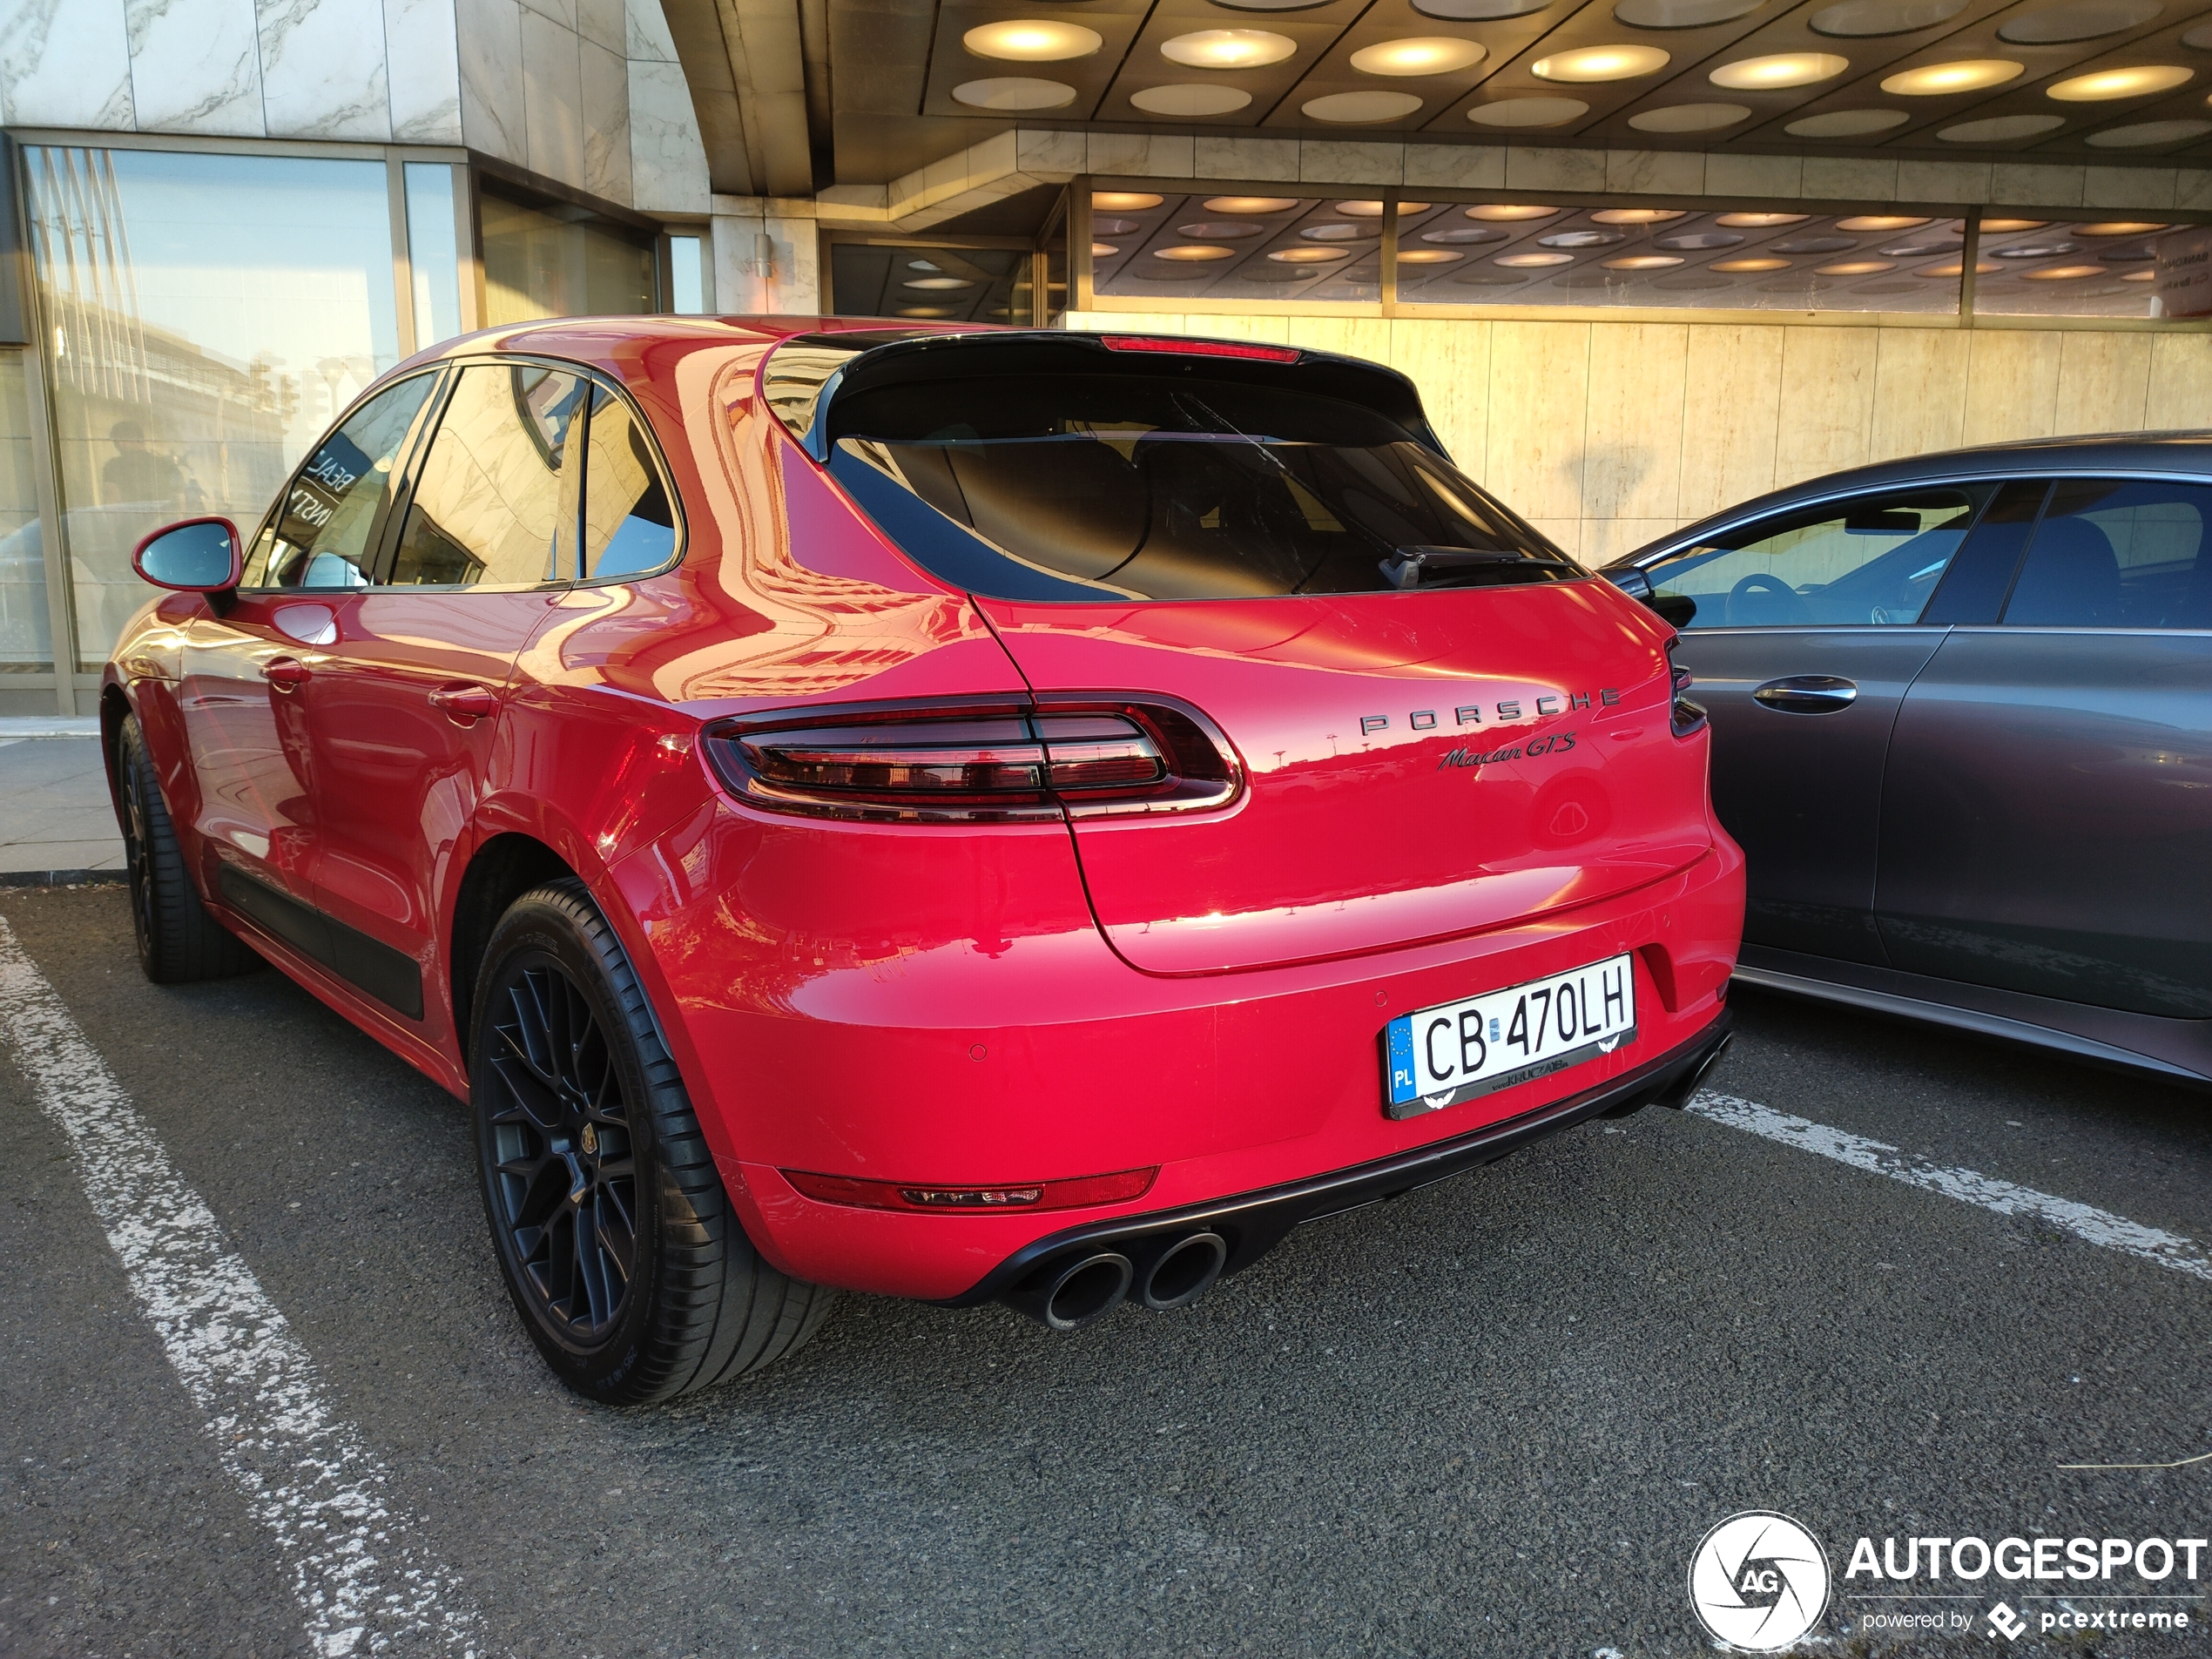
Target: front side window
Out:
[1095,486]
[325,530]
[495,499]
[2117,553]
[1868,561]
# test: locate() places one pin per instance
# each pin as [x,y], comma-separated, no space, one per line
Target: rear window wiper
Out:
[1419,565]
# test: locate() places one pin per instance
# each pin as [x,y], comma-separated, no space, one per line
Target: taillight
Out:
[940,763]
[1686,716]
[1173,345]
[1033,1195]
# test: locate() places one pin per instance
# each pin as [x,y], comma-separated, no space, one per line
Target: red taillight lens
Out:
[1169,345]
[940,764]
[1035,1195]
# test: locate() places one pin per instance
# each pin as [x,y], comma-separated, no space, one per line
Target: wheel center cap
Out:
[590,1140]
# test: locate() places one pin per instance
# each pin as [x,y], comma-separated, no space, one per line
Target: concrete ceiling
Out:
[794,95]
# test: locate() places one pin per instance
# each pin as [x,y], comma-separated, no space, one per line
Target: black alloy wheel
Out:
[619,1246]
[178,939]
[567,1184]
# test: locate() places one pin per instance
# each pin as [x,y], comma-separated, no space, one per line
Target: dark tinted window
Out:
[628,525]
[325,530]
[1093,487]
[495,501]
[1869,559]
[1973,588]
[2117,553]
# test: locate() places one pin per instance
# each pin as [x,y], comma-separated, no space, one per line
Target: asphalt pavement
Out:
[1492,1417]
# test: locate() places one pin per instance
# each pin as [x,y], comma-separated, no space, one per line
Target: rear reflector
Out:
[939,764]
[1169,345]
[1036,1195]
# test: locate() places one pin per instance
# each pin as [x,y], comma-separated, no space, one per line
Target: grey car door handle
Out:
[1807,694]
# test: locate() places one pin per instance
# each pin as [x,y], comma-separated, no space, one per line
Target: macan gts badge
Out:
[855,807]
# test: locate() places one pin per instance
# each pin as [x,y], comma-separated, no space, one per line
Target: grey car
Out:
[1962,716]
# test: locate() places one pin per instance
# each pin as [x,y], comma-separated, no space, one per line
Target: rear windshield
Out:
[1085,486]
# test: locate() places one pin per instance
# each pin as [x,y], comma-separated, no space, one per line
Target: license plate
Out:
[1457,1051]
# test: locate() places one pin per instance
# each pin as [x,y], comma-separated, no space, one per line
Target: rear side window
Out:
[2117,553]
[325,531]
[495,498]
[628,526]
[1098,487]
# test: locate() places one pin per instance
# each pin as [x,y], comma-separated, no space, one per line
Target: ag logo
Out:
[1758,1581]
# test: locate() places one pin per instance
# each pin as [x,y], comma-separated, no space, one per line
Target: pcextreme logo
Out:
[1758,1581]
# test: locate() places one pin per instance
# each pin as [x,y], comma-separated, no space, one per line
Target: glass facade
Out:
[687,273]
[2028,267]
[1257,249]
[433,251]
[561,261]
[207,316]
[25,639]
[939,283]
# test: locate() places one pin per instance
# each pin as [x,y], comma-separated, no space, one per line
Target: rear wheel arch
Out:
[501,871]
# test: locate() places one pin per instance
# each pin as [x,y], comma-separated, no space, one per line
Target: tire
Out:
[179,940]
[618,1244]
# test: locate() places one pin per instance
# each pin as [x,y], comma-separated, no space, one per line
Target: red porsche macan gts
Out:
[954,815]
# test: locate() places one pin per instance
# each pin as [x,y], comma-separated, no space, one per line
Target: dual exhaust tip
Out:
[1157,1275]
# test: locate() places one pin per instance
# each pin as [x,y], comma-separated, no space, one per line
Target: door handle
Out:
[465,704]
[1808,694]
[285,673]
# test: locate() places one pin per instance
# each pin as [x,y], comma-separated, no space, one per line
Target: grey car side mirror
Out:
[1674,609]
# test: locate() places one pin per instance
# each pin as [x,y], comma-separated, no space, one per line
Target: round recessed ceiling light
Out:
[924,311]
[1228,48]
[1372,209]
[1114,226]
[1857,268]
[1194,252]
[2139,276]
[2083,20]
[1510,213]
[1123,201]
[1779,70]
[1032,40]
[1964,74]
[2134,82]
[1339,232]
[1215,230]
[1428,256]
[1013,92]
[1847,124]
[1760,221]
[1999,127]
[2004,227]
[1692,241]
[2148,132]
[1638,215]
[2118,227]
[2042,249]
[1683,13]
[1858,19]
[1191,98]
[1360,109]
[1103,250]
[1601,64]
[1920,247]
[1641,262]
[1880,222]
[1309,255]
[1528,113]
[2199,39]
[1583,238]
[1522,261]
[1690,117]
[934,282]
[1418,55]
[1251,204]
[1736,268]
[1475,11]
[1464,234]
[1956,267]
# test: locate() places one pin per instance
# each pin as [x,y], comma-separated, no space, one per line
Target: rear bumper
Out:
[1254,1222]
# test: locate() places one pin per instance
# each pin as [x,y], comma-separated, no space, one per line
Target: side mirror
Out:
[1674,609]
[199,556]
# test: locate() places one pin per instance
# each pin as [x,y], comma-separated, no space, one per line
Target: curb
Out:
[61,877]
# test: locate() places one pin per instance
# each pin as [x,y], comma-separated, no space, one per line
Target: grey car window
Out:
[1868,561]
[2117,553]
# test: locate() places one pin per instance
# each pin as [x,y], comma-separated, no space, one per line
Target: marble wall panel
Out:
[1450,361]
[196,66]
[2104,381]
[1730,415]
[1540,384]
[2011,385]
[65,63]
[322,71]
[1219,156]
[1920,391]
[552,99]
[667,159]
[1827,404]
[422,69]
[1632,431]
[490,33]
[606,124]
[2181,383]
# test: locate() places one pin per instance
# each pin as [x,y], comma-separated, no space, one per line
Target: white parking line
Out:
[360,1576]
[2084,1221]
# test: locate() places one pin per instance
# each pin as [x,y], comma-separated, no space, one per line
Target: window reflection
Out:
[560,262]
[433,253]
[25,644]
[209,315]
